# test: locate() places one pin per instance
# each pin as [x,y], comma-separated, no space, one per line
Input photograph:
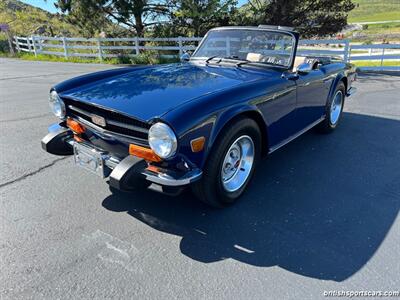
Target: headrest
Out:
[254,57]
[313,62]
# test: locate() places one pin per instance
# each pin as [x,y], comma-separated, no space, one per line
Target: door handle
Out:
[290,76]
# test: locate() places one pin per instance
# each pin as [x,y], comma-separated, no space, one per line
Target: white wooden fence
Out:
[101,47]
[113,47]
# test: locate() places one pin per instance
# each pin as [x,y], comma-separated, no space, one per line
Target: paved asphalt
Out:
[321,213]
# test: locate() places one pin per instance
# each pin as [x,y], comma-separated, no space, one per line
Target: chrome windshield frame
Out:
[294,35]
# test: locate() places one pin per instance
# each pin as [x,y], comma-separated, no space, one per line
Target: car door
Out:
[279,110]
[312,92]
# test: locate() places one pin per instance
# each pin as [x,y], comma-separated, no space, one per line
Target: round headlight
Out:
[57,105]
[162,140]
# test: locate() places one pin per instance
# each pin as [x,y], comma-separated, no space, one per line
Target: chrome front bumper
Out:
[119,171]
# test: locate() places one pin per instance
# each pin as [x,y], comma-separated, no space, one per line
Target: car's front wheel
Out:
[231,164]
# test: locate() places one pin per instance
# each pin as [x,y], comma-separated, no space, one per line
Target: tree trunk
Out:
[139,25]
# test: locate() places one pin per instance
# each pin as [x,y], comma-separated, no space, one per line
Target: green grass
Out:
[369,63]
[376,33]
[142,59]
[375,10]
[385,28]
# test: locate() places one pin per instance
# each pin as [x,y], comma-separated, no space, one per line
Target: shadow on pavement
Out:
[319,207]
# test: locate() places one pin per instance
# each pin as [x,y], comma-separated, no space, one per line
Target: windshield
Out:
[257,46]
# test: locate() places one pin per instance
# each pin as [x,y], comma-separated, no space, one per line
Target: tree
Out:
[133,14]
[196,17]
[309,17]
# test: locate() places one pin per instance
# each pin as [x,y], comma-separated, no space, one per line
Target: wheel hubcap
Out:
[336,107]
[238,163]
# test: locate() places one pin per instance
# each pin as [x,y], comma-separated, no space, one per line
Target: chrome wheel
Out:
[336,107]
[237,164]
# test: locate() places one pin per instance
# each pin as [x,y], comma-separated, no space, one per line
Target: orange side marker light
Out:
[197,144]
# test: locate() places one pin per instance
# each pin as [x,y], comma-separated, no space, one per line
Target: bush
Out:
[4,48]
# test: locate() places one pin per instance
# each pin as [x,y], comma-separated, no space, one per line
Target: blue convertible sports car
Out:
[204,122]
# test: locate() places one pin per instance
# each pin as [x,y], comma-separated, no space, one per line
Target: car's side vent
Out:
[113,121]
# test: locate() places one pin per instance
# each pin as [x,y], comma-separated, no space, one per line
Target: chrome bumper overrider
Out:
[119,171]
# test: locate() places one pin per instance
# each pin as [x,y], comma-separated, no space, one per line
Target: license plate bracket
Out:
[90,159]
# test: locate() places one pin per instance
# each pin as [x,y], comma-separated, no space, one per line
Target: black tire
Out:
[209,189]
[327,126]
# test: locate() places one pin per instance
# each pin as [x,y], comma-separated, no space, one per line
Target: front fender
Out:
[233,112]
[207,115]
[211,127]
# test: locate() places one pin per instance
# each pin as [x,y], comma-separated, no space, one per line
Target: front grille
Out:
[115,122]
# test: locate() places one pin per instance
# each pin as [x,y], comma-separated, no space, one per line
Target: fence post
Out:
[99,49]
[347,50]
[383,53]
[40,44]
[64,40]
[10,42]
[180,45]
[34,45]
[28,44]
[17,43]
[137,50]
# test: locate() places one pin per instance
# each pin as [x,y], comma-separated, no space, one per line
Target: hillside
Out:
[25,20]
[375,10]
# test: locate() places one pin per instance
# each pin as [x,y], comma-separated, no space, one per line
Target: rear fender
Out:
[335,82]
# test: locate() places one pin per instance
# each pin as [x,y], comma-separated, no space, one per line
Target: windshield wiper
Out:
[211,58]
[241,61]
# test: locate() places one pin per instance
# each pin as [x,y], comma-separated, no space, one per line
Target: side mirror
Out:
[304,68]
[185,57]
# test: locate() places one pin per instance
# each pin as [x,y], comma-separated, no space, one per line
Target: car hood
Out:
[150,92]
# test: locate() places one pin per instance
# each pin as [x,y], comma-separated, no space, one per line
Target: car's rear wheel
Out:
[231,164]
[334,109]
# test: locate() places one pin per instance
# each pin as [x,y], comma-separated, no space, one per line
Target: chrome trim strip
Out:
[296,135]
[81,111]
[115,123]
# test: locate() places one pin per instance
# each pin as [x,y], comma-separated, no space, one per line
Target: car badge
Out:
[99,120]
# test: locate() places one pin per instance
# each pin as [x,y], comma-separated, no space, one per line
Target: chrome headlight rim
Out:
[162,140]
[57,106]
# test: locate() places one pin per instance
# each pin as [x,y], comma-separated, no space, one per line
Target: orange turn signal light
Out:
[197,144]
[77,138]
[75,126]
[143,152]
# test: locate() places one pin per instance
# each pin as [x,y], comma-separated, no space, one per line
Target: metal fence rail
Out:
[114,47]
